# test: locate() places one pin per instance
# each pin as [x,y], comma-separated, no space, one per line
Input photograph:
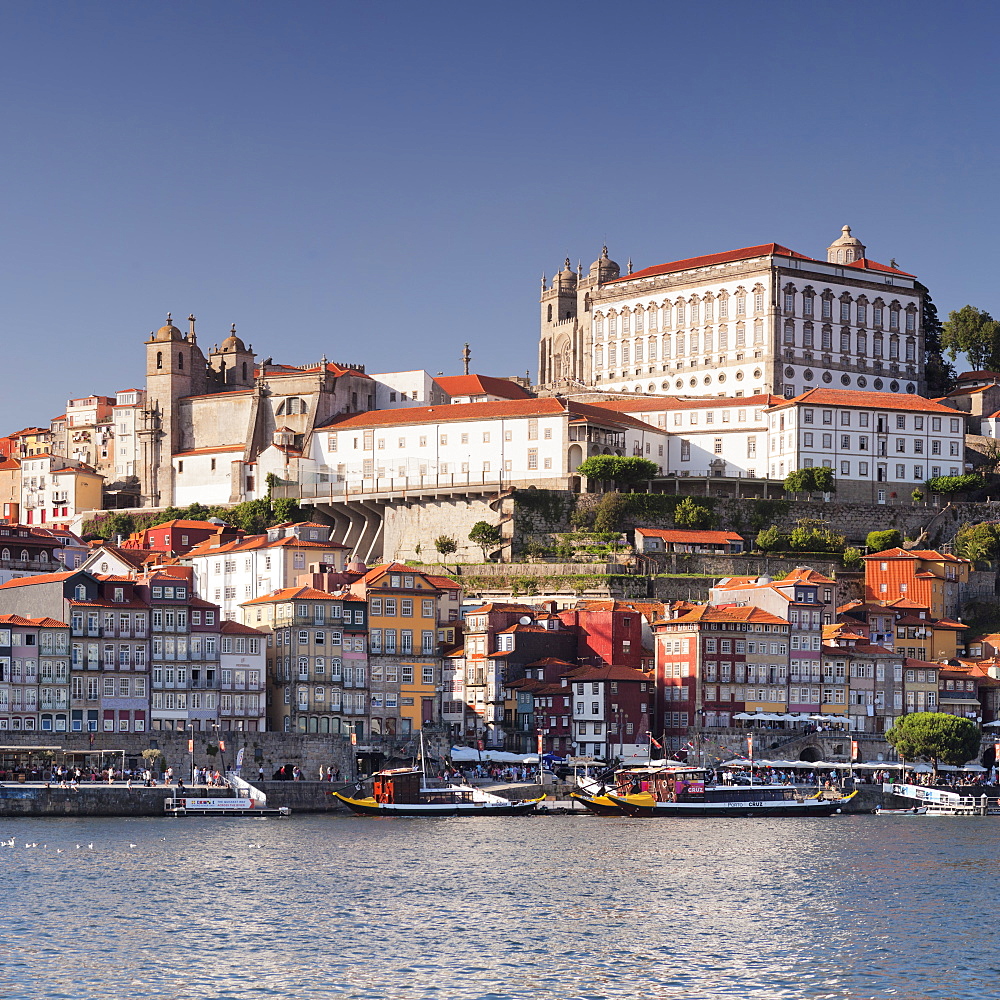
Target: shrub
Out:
[956,484]
[688,514]
[879,541]
[770,540]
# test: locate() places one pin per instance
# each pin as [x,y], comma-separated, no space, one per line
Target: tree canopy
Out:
[938,373]
[688,514]
[445,545]
[487,536]
[956,484]
[978,542]
[974,333]
[614,468]
[879,541]
[935,736]
[813,480]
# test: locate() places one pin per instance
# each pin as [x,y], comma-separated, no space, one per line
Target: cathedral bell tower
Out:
[234,362]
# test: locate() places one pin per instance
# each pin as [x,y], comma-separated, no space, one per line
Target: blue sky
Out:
[382,182]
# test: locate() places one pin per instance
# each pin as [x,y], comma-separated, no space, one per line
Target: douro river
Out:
[851,907]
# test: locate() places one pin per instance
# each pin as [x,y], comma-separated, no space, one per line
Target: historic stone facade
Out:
[762,319]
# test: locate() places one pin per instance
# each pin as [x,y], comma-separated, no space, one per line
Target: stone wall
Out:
[270,750]
[547,511]
[409,529]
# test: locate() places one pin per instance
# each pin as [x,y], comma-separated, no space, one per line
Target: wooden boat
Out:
[593,795]
[683,792]
[914,811]
[403,792]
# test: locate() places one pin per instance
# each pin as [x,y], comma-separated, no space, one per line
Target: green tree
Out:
[610,512]
[601,468]
[632,470]
[935,736]
[688,514]
[938,374]
[487,536]
[814,480]
[823,480]
[769,539]
[445,545]
[978,542]
[879,541]
[286,510]
[956,484]
[976,334]
[852,558]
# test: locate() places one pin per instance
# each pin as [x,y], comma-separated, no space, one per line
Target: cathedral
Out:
[213,427]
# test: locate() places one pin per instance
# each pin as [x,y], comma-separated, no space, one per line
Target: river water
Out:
[574,908]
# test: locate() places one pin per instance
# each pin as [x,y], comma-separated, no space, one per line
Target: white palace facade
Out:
[750,322]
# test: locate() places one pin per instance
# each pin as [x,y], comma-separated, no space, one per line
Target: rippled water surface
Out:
[509,908]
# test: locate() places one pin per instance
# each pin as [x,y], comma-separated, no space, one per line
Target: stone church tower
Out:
[176,369]
[564,349]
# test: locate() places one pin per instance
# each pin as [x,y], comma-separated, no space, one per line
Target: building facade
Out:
[762,319]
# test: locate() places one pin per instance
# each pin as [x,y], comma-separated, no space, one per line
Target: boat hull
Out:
[601,805]
[808,807]
[369,807]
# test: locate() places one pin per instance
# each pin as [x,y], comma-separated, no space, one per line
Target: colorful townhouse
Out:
[34,675]
[404,654]
[314,687]
[931,579]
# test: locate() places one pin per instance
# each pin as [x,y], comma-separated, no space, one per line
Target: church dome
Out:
[232,342]
[168,331]
[604,268]
[567,276]
[846,249]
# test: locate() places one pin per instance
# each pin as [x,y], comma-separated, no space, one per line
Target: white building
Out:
[762,319]
[877,444]
[128,408]
[416,388]
[242,678]
[711,436]
[235,572]
[530,440]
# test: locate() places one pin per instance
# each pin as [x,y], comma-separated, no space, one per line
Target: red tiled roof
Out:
[238,628]
[763,250]
[291,594]
[37,622]
[690,535]
[30,581]
[726,613]
[210,451]
[865,400]
[929,555]
[478,385]
[612,672]
[647,403]
[866,264]
[450,412]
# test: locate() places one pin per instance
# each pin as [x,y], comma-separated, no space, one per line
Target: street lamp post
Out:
[191,748]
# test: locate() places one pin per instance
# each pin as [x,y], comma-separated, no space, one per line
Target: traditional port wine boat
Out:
[670,791]
[403,792]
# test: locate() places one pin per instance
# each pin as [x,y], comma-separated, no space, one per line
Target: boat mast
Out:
[423,758]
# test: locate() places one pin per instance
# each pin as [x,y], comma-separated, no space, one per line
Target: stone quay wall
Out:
[267,750]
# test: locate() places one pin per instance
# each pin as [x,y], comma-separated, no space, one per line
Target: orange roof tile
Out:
[865,400]
[707,260]
[292,594]
[478,385]
[690,535]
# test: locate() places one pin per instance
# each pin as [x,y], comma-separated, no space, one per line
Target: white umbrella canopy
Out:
[986,725]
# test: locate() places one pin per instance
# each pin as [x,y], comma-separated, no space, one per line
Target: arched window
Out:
[159,359]
[5,554]
[24,555]
[549,318]
[180,361]
[80,593]
[244,371]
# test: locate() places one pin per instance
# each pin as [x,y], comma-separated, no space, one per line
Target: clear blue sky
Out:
[385,181]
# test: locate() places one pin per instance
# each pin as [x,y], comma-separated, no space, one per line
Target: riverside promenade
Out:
[45,799]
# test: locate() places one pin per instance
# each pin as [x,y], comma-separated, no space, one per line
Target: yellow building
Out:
[57,490]
[404,653]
